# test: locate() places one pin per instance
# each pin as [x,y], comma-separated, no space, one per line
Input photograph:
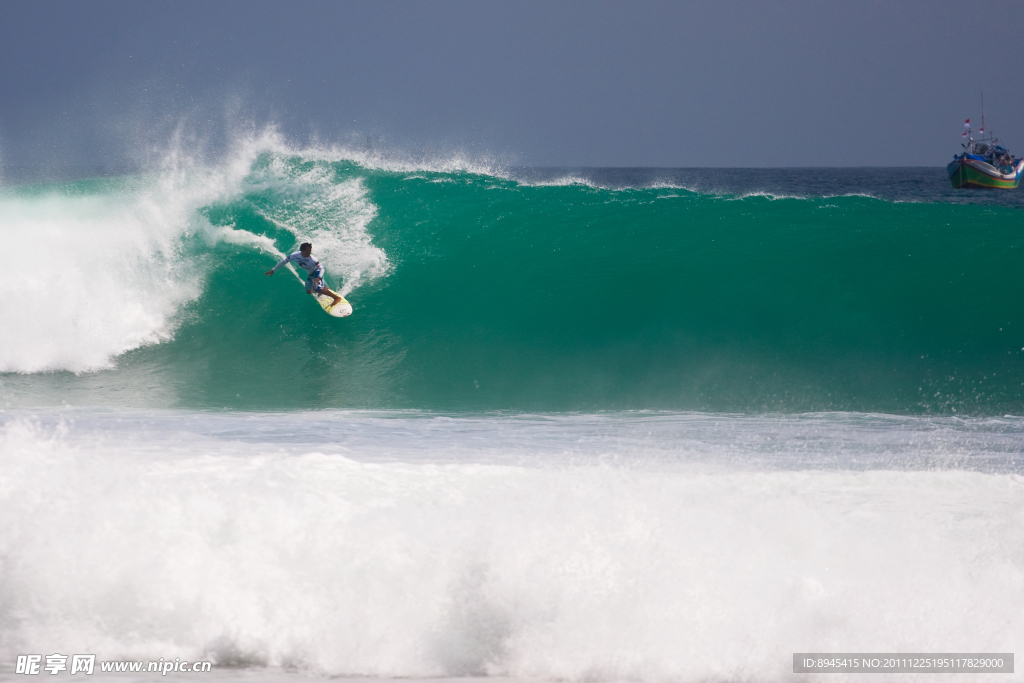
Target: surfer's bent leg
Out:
[329,293]
[315,285]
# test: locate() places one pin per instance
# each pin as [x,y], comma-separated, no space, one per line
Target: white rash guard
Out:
[307,263]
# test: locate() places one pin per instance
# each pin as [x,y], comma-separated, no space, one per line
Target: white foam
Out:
[565,181]
[97,269]
[397,161]
[88,277]
[334,216]
[139,544]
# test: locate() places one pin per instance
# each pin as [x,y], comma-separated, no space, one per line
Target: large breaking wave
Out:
[474,290]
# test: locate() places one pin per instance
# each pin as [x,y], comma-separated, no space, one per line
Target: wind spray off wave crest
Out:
[104,266]
[308,200]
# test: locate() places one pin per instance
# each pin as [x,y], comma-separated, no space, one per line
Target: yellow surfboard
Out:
[339,310]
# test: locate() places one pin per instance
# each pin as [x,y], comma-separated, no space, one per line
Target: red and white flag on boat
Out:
[967,128]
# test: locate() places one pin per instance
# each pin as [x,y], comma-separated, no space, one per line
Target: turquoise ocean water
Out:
[584,424]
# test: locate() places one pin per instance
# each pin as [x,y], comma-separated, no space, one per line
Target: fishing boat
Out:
[984,163]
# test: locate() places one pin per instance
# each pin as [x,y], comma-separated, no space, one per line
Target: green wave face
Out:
[473,292]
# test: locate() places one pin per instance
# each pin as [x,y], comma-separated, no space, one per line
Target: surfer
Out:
[303,258]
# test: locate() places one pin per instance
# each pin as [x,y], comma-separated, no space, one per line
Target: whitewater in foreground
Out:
[607,547]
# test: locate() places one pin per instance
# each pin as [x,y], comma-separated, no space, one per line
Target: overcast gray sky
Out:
[783,83]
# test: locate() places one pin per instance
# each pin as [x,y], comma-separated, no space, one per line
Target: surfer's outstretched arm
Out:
[280,263]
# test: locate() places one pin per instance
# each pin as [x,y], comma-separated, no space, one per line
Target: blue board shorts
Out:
[313,287]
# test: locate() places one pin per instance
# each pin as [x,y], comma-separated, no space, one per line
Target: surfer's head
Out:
[306,248]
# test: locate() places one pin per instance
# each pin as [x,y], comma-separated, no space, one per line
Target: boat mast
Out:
[982,114]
